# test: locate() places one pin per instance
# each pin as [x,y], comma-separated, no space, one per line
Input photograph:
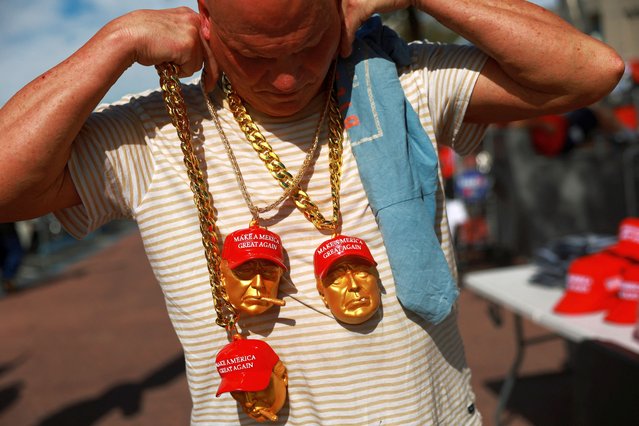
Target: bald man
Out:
[90,166]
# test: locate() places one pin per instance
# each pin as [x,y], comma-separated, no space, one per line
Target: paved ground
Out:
[91,344]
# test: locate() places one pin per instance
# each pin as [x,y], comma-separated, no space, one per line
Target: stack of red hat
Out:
[606,281]
[592,284]
[624,310]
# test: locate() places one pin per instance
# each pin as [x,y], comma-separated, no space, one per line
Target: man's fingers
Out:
[195,63]
[350,24]
[346,42]
[354,14]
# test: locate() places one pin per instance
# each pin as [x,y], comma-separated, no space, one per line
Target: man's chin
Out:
[281,106]
[282,109]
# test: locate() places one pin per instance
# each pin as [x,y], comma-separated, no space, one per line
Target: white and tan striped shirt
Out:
[393,370]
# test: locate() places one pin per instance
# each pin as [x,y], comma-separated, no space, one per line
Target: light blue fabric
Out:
[398,166]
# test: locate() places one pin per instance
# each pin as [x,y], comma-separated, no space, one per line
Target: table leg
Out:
[509,383]
[520,345]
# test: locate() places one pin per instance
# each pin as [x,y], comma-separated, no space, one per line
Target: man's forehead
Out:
[267,17]
[269,46]
[271,27]
[257,27]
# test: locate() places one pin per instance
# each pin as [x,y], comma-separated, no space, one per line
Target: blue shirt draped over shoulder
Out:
[398,167]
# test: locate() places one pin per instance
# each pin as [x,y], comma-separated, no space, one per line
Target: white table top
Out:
[509,287]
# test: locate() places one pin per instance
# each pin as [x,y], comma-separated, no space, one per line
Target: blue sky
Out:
[35,35]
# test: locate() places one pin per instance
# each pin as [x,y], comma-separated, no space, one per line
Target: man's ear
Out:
[205,19]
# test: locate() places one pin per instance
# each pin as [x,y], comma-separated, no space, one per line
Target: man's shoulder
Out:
[190,91]
[151,102]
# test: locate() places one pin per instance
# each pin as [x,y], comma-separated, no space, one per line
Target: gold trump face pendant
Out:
[254,375]
[251,267]
[347,279]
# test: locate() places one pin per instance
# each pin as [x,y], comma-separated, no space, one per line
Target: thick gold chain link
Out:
[226,315]
[278,170]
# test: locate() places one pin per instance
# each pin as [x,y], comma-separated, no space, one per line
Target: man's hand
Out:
[156,36]
[356,12]
[538,63]
[39,124]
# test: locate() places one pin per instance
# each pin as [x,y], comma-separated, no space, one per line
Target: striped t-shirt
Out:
[395,369]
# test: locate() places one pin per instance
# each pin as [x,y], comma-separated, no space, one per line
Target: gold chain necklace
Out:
[278,170]
[227,316]
[256,210]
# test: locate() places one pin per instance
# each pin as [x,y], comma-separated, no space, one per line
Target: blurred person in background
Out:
[11,254]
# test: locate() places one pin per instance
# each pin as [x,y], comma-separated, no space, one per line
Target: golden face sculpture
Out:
[254,375]
[349,289]
[252,286]
[251,267]
[265,404]
[346,278]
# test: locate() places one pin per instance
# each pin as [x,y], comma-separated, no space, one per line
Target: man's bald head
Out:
[275,17]
[276,52]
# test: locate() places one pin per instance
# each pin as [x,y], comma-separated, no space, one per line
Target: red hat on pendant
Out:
[591,284]
[330,251]
[245,365]
[624,310]
[628,243]
[252,243]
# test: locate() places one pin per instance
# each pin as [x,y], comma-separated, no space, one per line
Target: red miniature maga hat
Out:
[628,243]
[254,242]
[591,284]
[337,248]
[624,310]
[245,365]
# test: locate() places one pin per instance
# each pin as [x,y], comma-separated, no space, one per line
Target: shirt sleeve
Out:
[445,76]
[111,168]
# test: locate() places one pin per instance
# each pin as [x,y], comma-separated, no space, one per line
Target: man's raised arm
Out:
[38,124]
[538,63]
